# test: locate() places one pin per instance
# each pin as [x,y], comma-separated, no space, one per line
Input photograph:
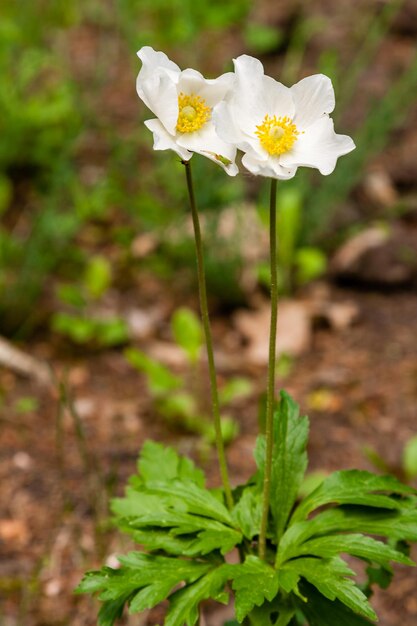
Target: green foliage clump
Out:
[187,532]
[79,323]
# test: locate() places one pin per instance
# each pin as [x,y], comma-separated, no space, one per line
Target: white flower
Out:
[184,103]
[280,128]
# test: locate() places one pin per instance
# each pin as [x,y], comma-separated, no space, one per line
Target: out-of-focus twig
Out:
[23,363]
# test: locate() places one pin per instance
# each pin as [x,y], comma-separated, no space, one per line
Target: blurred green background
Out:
[87,208]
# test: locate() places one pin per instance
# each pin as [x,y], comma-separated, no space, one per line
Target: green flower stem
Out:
[270,398]
[209,342]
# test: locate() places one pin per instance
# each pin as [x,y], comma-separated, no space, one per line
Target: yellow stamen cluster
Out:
[193,113]
[277,134]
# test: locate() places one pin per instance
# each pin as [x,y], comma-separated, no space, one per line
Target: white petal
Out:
[165,141]
[159,93]
[270,168]
[248,98]
[278,98]
[207,143]
[211,90]
[319,147]
[249,70]
[226,128]
[256,95]
[313,96]
[152,61]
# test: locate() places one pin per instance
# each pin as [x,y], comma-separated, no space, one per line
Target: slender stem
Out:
[270,398]
[209,342]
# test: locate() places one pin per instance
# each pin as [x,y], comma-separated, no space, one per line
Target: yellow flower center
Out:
[193,113]
[277,134]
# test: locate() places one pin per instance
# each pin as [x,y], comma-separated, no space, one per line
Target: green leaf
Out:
[184,603]
[160,379]
[353,487]
[111,610]
[199,534]
[97,276]
[330,577]
[161,575]
[311,481]
[288,224]
[136,503]
[357,545]
[410,458]
[394,524]
[253,581]
[188,332]
[198,544]
[320,611]
[78,329]
[180,406]
[235,388]
[247,513]
[111,332]
[285,616]
[289,460]
[193,499]
[176,514]
[311,263]
[266,614]
[143,581]
[159,463]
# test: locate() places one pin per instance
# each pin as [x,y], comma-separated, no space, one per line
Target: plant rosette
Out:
[184,103]
[187,533]
[278,128]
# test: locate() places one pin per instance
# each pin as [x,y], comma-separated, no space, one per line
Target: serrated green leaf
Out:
[161,539]
[353,487]
[289,460]
[288,580]
[191,498]
[247,513]
[161,574]
[176,514]
[142,581]
[320,611]
[394,524]
[202,534]
[253,582]
[357,545]
[184,603]
[330,577]
[94,581]
[161,463]
[136,503]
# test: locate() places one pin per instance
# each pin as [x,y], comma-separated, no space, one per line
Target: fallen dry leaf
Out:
[294,330]
[13,530]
